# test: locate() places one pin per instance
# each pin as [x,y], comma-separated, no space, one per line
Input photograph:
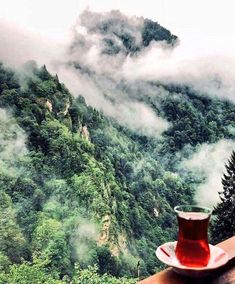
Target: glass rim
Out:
[202,209]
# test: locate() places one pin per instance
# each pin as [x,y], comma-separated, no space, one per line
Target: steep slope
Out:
[95,186]
[88,181]
[67,179]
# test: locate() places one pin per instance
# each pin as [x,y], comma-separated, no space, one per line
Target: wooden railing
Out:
[224,275]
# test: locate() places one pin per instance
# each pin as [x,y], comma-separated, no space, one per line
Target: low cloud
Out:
[209,161]
[84,241]
[140,117]
[19,45]
[93,67]
[211,74]
[12,144]
[95,63]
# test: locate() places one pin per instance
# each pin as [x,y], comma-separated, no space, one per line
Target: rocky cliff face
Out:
[85,133]
[46,103]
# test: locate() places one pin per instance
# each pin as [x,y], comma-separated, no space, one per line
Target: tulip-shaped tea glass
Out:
[192,248]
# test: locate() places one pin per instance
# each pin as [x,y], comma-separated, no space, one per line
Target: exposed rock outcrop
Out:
[85,133]
[66,109]
[116,246]
[104,234]
[46,103]
[121,246]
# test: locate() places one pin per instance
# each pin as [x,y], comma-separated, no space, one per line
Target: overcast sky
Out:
[42,30]
[34,29]
[212,21]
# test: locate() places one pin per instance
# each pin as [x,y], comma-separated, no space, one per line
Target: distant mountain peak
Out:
[113,33]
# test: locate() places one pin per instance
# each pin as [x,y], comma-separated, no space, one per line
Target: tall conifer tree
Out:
[223,226]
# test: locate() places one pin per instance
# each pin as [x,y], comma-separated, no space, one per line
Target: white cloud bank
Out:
[204,59]
[209,161]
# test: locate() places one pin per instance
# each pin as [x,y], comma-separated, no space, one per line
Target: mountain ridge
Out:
[96,189]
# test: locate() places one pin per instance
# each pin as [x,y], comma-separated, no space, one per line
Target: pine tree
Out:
[223,226]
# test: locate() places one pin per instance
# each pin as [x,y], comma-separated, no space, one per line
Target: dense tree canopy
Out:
[224,223]
[84,190]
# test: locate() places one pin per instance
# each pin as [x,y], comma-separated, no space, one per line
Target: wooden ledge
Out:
[224,275]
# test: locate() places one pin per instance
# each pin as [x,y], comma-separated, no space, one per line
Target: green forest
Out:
[84,199]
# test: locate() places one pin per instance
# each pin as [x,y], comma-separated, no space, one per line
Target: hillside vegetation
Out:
[84,196]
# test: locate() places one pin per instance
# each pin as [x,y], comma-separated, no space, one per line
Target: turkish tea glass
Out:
[192,247]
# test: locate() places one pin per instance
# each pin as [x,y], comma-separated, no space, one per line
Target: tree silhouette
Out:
[223,226]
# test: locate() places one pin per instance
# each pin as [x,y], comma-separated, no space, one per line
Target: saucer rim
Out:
[190,268]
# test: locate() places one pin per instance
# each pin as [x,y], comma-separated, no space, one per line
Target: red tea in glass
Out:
[192,248]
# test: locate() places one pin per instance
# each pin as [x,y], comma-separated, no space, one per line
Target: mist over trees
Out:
[87,195]
[89,192]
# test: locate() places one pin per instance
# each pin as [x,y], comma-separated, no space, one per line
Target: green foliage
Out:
[106,262]
[194,120]
[90,276]
[50,247]
[223,226]
[87,190]
[4,263]
[27,273]
[154,31]
[12,242]
[123,35]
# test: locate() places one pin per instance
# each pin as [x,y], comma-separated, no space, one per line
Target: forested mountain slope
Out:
[80,188]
